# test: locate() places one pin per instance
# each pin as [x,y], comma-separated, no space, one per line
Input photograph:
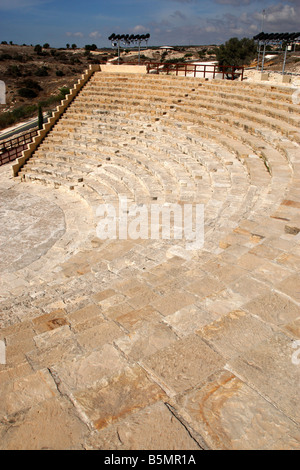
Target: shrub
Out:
[59,73]
[175,61]
[32,84]
[42,72]
[64,91]
[27,93]
[11,117]
[5,57]
[55,99]
[14,71]
[75,60]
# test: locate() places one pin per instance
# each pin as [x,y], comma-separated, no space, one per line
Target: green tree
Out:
[90,47]
[38,49]
[236,52]
[40,117]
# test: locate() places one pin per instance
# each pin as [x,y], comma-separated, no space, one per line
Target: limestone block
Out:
[183,364]
[230,415]
[286,79]
[264,76]
[52,426]
[269,369]
[19,394]
[152,428]
[124,393]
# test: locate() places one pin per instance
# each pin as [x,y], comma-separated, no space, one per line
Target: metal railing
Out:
[229,72]
[13,148]
[197,70]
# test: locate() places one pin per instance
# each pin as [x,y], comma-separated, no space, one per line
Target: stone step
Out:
[266,107]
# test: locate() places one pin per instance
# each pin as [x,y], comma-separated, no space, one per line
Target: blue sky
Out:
[172,22]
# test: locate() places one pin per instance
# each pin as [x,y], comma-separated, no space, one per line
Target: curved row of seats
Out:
[169,139]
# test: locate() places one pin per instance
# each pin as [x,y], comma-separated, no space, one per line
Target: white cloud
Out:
[178,15]
[233,2]
[95,35]
[21,4]
[280,17]
[183,1]
[78,34]
[139,29]
[278,13]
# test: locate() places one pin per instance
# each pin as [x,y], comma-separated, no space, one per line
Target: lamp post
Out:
[263,20]
[259,43]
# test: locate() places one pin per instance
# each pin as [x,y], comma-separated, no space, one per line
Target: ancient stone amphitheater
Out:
[141,343]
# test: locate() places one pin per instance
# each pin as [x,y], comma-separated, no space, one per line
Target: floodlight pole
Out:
[119,53]
[284,61]
[263,60]
[259,45]
[263,19]
[139,51]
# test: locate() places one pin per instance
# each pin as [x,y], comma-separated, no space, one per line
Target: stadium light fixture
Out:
[265,39]
[128,40]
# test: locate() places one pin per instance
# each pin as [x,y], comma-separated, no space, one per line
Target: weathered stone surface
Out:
[205,287]
[145,340]
[173,302]
[145,297]
[134,319]
[152,428]
[26,233]
[88,370]
[50,426]
[96,337]
[53,347]
[235,333]
[274,308]
[247,288]
[230,415]
[189,319]
[268,368]
[50,321]
[85,317]
[124,393]
[183,364]
[291,287]
[21,393]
